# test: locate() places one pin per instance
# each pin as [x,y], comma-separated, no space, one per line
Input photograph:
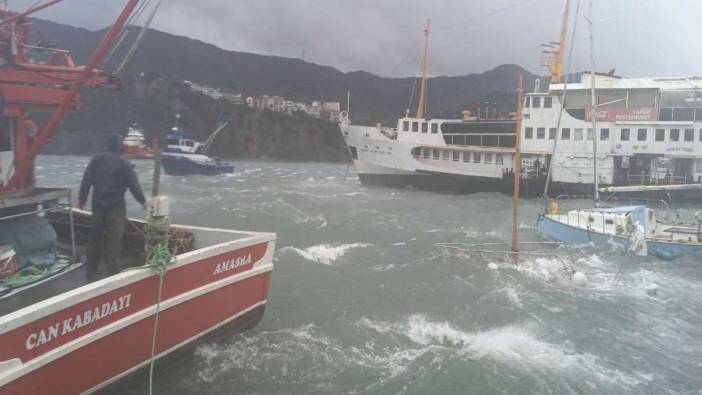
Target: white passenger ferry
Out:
[649,141]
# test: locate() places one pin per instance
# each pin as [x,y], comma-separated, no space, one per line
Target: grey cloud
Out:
[637,37]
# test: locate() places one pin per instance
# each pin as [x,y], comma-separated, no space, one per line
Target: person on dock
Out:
[110,175]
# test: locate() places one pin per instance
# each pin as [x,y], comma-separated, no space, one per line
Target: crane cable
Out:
[135,44]
[134,16]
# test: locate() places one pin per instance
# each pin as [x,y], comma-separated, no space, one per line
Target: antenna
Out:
[593,104]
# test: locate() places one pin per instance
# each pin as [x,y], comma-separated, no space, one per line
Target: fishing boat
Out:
[183,155]
[635,227]
[134,144]
[59,334]
[649,135]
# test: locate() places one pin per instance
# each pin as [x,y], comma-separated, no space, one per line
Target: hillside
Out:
[177,58]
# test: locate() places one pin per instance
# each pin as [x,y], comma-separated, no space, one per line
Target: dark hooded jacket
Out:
[110,174]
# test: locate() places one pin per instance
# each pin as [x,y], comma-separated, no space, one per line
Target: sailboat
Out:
[635,227]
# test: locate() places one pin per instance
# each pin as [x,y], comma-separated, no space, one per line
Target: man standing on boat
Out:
[109,174]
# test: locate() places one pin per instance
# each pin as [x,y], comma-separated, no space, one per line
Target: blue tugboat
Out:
[183,155]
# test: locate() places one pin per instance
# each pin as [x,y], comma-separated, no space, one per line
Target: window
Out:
[425,127]
[435,154]
[536,102]
[434,128]
[466,156]
[565,134]
[527,102]
[415,126]
[624,135]
[660,134]
[5,135]
[674,134]
[641,135]
[528,133]
[552,133]
[604,134]
[488,157]
[548,102]
[498,159]
[700,134]
[425,152]
[456,156]
[578,134]
[445,155]
[590,134]
[476,157]
[540,133]
[689,134]
[405,126]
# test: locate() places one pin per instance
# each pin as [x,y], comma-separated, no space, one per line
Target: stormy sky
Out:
[635,37]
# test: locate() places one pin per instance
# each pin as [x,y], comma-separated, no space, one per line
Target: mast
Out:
[593,105]
[517,163]
[555,67]
[423,84]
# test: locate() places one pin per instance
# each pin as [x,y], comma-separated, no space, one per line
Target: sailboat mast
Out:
[517,163]
[423,84]
[593,104]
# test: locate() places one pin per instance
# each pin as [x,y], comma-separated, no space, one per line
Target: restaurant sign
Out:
[618,114]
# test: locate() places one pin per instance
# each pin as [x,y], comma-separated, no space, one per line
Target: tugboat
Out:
[183,155]
[59,334]
[134,144]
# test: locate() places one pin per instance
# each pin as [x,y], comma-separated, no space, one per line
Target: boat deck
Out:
[184,239]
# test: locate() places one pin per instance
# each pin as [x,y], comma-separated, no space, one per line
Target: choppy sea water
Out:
[362,302]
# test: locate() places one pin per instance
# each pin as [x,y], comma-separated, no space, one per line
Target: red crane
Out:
[36,77]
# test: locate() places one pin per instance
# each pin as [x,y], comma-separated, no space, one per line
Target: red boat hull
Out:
[104,331]
[135,152]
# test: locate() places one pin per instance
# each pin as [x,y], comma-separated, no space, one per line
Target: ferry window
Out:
[552,133]
[415,126]
[435,154]
[405,126]
[578,134]
[456,156]
[488,157]
[425,152]
[700,134]
[445,155]
[604,134]
[674,134]
[624,135]
[425,127]
[660,134]
[536,102]
[466,156]
[565,134]
[641,135]
[548,102]
[527,102]
[540,133]
[590,135]
[689,134]
[435,128]
[528,133]
[498,159]
[476,157]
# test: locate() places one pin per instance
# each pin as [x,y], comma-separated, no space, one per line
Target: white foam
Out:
[325,254]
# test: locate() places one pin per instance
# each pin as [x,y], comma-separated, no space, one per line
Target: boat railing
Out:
[564,205]
[648,179]
[499,252]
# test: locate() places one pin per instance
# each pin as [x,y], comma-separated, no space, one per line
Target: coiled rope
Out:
[158,257]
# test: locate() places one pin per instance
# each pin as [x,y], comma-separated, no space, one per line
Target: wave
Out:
[325,254]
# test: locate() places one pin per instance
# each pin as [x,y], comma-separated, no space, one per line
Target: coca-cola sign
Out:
[618,114]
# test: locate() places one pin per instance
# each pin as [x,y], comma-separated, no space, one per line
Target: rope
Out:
[158,257]
[563,102]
